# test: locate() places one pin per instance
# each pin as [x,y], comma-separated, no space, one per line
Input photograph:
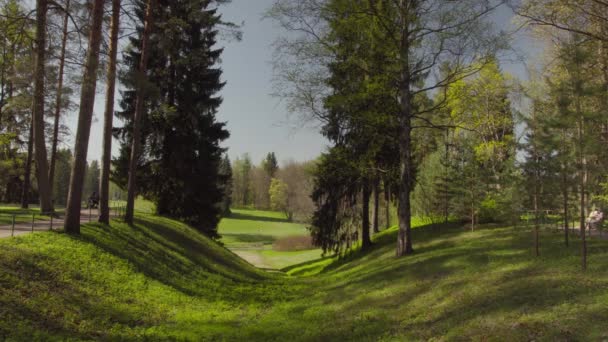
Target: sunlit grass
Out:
[252,233]
[163,281]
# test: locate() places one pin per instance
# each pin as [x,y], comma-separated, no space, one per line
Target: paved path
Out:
[45,225]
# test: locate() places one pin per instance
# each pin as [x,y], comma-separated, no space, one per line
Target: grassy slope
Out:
[163,281]
[251,233]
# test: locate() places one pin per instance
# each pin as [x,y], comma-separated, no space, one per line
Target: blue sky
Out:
[257,121]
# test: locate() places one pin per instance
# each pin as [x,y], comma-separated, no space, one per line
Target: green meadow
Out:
[163,281]
[253,234]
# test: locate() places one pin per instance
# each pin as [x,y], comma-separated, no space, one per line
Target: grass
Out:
[7,211]
[253,234]
[162,281]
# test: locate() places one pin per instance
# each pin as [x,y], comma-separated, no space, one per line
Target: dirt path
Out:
[86,216]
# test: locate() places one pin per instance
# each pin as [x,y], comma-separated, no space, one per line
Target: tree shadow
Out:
[240,216]
[251,238]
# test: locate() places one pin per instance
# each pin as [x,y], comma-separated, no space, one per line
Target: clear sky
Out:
[258,123]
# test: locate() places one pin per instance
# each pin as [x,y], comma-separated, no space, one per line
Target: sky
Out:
[258,122]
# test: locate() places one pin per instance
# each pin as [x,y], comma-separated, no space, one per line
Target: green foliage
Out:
[181,136]
[61,184]
[225,171]
[279,197]
[270,165]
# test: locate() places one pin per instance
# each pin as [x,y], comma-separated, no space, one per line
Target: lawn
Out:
[162,281]
[252,233]
[7,211]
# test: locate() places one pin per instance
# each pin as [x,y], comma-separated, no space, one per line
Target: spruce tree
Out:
[180,136]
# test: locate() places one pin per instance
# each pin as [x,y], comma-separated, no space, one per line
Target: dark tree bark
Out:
[25,191]
[536,213]
[40,155]
[404,212]
[565,195]
[404,239]
[64,40]
[375,211]
[104,184]
[365,234]
[87,102]
[139,112]
[387,207]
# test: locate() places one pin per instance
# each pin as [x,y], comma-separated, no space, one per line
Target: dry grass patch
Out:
[293,243]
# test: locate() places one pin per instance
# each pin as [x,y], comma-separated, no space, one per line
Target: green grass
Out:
[7,211]
[251,234]
[162,281]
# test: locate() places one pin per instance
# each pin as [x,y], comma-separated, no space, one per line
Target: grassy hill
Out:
[163,281]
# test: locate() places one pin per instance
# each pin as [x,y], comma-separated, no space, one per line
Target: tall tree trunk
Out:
[40,155]
[106,160]
[404,240]
[375,211]
[404,237]
[566,218]
[565,194]
[59,96]
[3,85]
[365,236]
[536,213]
[139,112]
[387,201]
[85,116]
[25,191]
[583,186]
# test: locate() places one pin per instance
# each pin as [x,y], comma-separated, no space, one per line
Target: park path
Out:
[86,216]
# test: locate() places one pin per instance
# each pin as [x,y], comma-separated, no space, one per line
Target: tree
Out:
[279,199]
[179,131]
[270,165]
[106,160]
[225,171]
[85,115]
[91,179]
[139,110]
[298,176]
[59,94]
[241,172]
[420,37]
[42,169]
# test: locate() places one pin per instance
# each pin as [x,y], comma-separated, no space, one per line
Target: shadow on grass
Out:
[306,263]
[175,259]
[34,299]
[239,216]
[250,238]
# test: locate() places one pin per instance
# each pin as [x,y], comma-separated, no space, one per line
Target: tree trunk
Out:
[387,202]
[536,213]
[25,192]
[565,194]
[583,185]
[40,155]
[87,102]
[566,218]
[404,238]
[106,160]
[375,212]
[139,112]
[472,217]
[58,97]
[365,234]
